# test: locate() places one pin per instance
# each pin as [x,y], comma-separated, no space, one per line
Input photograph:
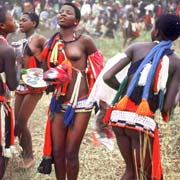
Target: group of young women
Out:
[72,64]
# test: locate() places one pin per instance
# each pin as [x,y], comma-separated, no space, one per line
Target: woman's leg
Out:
[58,140]
[141,150]
[74,138]
[125,146]
[18,101]
[22,115]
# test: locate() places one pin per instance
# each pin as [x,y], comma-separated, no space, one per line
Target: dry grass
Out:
[97,163]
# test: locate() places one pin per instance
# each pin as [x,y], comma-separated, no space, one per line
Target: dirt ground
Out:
[96,163]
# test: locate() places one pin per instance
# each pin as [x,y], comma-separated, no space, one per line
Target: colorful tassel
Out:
[11,114]
[144,109]
[108,114]
[157,76]
[156,158]
[70,111]
[69,116]
[122,104]
[47,150]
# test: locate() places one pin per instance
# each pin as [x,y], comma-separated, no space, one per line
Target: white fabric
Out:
[144,75]
[102,91]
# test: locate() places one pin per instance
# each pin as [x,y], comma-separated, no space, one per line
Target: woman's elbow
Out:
[106,78]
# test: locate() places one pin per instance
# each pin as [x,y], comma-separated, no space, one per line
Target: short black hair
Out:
[2,14]
[76,9]
[169,26]
[33,16]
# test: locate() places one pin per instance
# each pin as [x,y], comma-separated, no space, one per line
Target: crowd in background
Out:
[100,18]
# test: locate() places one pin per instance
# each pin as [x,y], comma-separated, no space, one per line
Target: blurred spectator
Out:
[28,6]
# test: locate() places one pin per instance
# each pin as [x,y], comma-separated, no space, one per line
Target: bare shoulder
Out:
[174,61]
[86,39]
[88,43]
[138,50]
[40,38]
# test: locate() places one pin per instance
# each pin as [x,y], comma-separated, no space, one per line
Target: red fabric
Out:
[107,115]
[96,61]
[44,54]
[156,158]
[157,76]
[165,116]
[60,57]
[91,79]
[47,151]
[12,125]
[32,62]
[64,89]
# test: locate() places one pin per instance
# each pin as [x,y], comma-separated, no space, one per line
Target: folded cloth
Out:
[59,74]
[101,91]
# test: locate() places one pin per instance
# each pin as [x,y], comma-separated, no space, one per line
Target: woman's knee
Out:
[57,155]
[72,157]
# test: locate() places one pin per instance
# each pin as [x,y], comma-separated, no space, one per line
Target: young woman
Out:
[72,53]
[151,83]
[27,98]
[7,66]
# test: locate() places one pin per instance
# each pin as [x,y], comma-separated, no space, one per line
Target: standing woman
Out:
[26,99]
[7,66]
[152,83]
[69,115]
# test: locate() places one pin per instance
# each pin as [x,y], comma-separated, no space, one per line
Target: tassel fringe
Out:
[144,109]
[108,114]
[122,104]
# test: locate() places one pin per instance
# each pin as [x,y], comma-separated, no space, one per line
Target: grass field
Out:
[98,163]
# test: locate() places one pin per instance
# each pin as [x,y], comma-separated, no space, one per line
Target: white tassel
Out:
[163,74]
[7,153]
[74,97]
[144,75]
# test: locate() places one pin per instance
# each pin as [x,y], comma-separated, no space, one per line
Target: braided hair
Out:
[169,26]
